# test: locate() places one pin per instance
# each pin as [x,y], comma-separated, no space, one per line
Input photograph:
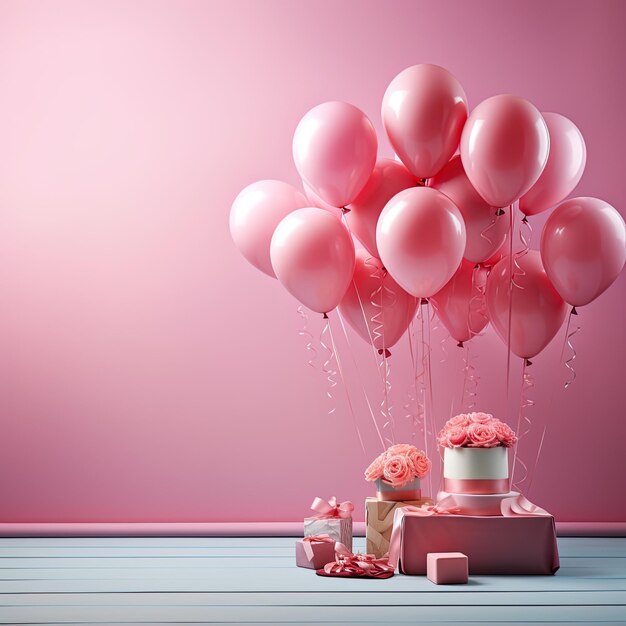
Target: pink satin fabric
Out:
[476,486]
[521,506]
[308,549]
[330,508]
[357,565]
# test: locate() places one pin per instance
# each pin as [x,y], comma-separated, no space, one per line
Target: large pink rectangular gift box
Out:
[493,545]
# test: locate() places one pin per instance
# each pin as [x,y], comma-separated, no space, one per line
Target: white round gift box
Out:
[476,470]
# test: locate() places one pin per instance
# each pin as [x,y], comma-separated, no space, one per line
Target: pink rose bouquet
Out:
[399,465]
[476,430]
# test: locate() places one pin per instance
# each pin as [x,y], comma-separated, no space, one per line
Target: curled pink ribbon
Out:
[357,565]
[330,508]
[308,548]
[519,506]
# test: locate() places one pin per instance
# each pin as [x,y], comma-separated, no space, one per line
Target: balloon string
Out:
[412,409]
[430,372]
[470,382]
[490,226]
[551,403]
[385,406]
[510,312]
[525,235]
[327,370]
[524,424]
[427,432]
[345,387]
[570,362]
[477,304]
[304,332]
[356,367]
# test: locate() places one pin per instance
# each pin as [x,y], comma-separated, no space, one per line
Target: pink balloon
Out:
[564,169]
[583,246]
[316,201]
[460,304]
[424,109]
[537,310]
[388,178]
[255,214]
[313,256]
[504,148]
[378,315]
[334,149]
[486,231]
[421,238]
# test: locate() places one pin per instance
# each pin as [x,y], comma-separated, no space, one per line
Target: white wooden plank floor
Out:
[255,581]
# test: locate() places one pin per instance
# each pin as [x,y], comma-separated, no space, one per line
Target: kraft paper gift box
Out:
[315,551]
[379,522]
[332,519]
[509,544]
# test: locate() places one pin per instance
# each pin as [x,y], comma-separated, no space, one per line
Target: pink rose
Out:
[400,448]
[419,462]
[480,418]
[505,434]
[397,470]
[458,420]
[375,470]
[456,437]
[482,436]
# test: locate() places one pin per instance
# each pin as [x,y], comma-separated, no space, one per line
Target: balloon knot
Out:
[345,209]
[476,266]
[421,182]
[500,212]
[325,317]
[528,362]
[460,344]
[574,311]
[424,301]
[525,220]
[385,352]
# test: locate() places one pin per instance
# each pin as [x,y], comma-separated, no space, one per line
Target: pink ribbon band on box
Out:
[308,549]
[476,486]
[330,508]
[489,541]
[399,496]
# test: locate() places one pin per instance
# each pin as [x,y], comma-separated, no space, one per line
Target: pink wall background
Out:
[147,372]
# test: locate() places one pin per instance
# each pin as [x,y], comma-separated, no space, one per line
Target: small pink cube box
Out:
[446,568]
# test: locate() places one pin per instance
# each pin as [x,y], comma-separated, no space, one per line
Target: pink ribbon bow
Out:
[357,565]
[308,548]
[446,506]
[326,509]
[519,506]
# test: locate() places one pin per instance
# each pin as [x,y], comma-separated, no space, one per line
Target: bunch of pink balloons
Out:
[433,224]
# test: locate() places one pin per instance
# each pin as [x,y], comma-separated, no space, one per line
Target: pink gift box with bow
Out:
[332,518]
[315,551]
[521,541]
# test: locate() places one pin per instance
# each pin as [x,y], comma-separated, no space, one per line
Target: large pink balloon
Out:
[255,214]
[313,256]
[334,149]
[537,310]
[316,201]
[421,239]
[376,307]
[583,246]
[388,178]
[564,169]
[486,231]
[460,304]
[424,109]
[504,147]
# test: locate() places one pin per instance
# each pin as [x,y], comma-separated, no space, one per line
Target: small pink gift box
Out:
[315,551]
[446,568]
[333,519]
